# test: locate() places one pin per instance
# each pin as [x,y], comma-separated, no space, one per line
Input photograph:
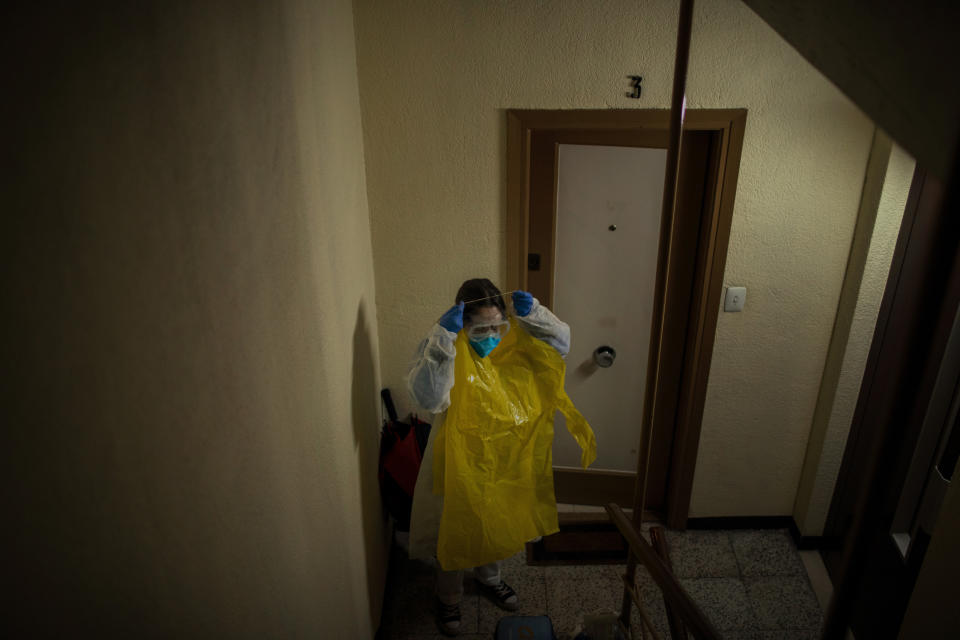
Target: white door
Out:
[608,229]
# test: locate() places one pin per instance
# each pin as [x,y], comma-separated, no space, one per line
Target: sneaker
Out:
[501,594]
[448,618]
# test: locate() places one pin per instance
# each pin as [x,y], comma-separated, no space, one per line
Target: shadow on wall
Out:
[366,438]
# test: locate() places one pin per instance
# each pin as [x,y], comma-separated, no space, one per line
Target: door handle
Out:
[604,356]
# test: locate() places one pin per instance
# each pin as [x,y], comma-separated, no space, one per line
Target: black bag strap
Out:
[388,402]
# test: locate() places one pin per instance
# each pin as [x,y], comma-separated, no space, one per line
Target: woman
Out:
[462,347]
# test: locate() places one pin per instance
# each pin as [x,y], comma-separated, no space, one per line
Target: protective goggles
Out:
[481,331]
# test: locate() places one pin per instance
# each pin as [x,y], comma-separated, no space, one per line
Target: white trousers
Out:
[450,583]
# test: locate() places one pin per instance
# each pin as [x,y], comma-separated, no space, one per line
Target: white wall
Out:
[192,427]
[436,78]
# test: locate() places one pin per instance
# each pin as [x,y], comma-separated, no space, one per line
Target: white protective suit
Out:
[429,383]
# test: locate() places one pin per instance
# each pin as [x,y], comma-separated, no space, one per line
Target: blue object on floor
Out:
[525,628]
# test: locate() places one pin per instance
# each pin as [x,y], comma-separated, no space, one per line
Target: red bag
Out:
[401,452]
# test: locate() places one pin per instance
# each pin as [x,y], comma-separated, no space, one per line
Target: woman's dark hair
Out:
[478,289]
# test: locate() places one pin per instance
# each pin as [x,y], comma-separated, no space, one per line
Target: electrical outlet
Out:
[735,298]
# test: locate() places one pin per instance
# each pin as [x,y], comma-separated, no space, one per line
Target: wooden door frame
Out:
[716,217]
[913,329]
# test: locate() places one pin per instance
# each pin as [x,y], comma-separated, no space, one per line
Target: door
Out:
[604,285]
[608,284]
[609,202]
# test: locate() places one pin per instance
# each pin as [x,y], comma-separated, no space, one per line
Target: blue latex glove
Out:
[452,320]
[522,303]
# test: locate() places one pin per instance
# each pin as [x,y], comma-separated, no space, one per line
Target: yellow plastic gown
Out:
[492,456]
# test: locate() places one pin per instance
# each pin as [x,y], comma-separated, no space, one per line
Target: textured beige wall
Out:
[868,271]
[435,80]
[192,431]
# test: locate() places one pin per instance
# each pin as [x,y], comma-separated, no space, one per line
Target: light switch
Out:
[735,298]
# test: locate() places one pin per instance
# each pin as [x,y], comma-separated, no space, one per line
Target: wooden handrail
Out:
[694,619]
[658,538]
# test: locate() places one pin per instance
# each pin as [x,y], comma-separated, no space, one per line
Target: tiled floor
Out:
[752,584]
